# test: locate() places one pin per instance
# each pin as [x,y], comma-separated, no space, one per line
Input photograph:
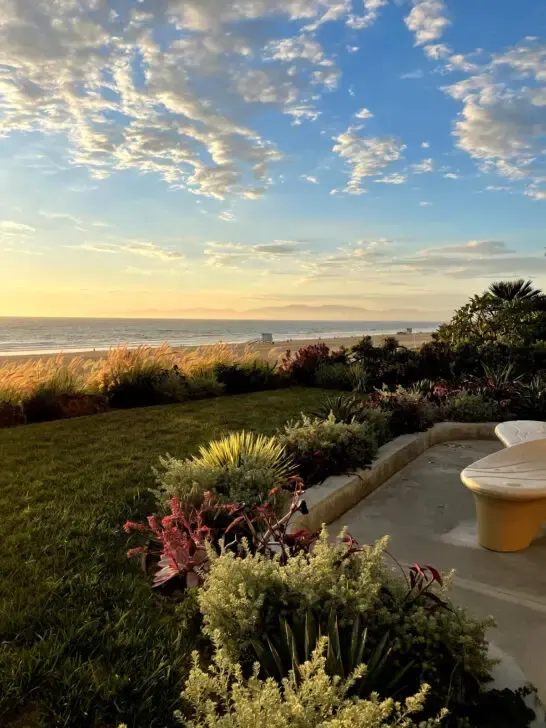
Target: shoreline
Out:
[270,351]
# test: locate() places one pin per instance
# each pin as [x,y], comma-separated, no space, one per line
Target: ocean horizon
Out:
[36,335]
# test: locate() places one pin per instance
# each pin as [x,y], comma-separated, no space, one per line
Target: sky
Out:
[359,159]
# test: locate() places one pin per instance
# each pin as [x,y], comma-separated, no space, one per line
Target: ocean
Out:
[52,335]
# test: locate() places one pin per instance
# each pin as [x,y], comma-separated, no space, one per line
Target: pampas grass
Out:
[19,381]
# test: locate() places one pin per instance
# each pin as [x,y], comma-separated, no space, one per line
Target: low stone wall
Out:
[328,501]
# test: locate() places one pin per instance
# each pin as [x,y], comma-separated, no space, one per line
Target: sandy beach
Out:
[272,352]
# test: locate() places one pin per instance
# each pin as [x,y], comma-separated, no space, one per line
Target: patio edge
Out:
[329,500]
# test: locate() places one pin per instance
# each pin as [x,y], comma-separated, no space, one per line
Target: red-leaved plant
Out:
[180,539]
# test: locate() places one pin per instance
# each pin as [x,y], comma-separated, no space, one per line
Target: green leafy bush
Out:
[241,468]
[409,622]
[407,411]
[352,408]
[243,597]
[308,698]
[325,447]
[334,376]
[241,377]
[469,407]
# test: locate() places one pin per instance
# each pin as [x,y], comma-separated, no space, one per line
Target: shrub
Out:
[307,698]
[302,367]
[243,600]
[241,468]
[321,448]
[243,597]
[238,378]
[351,408]
[334,376]
[469,407]
[408,412]
[202,383]
[180,542]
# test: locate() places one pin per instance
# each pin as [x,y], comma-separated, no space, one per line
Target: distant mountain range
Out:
[303,312]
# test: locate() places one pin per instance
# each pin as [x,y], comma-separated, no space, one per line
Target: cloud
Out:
[474,259]
[451,175]
[425,204]
[227,216]
[535,194]
[418,73]
[308,178]
[364,113]
[365,156]
[472,247]
[10,227]
[181,107]
[371,8]
[502,123]
[236,255]
[393,179]
[425,145]
[61,216]
[497,188]
[135,247]
[437,51]
[424,167]
[427,20]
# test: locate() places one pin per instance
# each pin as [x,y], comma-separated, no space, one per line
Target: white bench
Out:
[509,489]
[519,431]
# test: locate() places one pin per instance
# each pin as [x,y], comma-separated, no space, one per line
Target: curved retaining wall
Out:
[328,501]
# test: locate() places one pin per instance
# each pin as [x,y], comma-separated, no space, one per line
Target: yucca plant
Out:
[241,448]
[295,638]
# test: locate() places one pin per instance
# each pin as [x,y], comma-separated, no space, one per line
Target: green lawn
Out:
[83,639]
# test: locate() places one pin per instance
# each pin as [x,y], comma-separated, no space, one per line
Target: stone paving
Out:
[430,517]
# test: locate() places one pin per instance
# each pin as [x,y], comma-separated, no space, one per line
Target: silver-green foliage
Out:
[241,597]
[308,698]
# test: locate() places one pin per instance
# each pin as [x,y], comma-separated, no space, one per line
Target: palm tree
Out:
[520,290]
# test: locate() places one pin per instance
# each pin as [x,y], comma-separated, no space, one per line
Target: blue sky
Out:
[347,158]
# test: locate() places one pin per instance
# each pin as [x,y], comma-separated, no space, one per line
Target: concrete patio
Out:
[429,516]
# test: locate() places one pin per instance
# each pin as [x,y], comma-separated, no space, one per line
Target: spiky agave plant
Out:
[240,449]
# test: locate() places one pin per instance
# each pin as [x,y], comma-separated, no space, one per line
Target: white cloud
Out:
[393,179]
[437,51]
[236,255]
[364,113]
[451,175]
[427,20]
[180,108]
[472,247]
[227,216]
[427,165]
[535,193]
[61,216]
[418,73]
[9,226]
[310,178]
[459,62]
[366,156]
[425,145]
[503,119]
[425,204]
[144,248]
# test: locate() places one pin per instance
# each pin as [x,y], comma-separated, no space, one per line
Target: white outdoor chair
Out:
[509,489]
[519,431]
